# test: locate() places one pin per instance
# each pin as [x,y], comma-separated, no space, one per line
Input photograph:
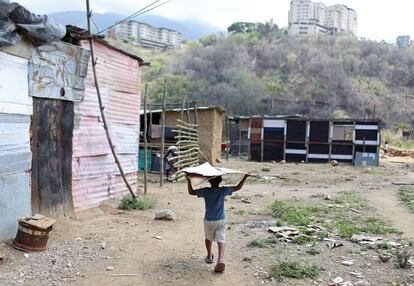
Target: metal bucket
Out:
[30,237]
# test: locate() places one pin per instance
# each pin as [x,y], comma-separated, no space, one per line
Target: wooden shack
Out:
[209,126]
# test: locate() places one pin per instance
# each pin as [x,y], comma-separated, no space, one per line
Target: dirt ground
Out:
[97,245]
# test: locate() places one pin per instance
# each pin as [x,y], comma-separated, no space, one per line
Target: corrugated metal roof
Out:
[58,71]
[218,108]
[95,174]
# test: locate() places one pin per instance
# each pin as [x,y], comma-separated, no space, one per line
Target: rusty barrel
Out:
[30,237]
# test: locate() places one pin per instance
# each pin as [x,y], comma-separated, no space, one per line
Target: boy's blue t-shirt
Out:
[214,201]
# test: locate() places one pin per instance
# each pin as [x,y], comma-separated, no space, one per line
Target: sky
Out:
[377,19]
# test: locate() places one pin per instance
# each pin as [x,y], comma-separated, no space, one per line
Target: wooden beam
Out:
[145,139]
[163,135]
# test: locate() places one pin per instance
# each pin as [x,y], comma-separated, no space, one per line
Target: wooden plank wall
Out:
[52,157]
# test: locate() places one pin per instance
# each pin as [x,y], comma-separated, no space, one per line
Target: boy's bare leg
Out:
[220,251]
[208,247]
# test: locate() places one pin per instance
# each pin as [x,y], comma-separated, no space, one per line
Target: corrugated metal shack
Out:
[40,77]
[95,175]
[209,126]
[296,139]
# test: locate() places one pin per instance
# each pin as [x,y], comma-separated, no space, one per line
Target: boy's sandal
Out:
[220,267]
[209,260]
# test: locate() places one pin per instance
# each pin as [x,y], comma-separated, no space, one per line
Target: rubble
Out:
[165,215]
[332,243]
[362,239]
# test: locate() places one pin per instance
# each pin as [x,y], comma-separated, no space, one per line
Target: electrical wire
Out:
[93,21]
[136,14]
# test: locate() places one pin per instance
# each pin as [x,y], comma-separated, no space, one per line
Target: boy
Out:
[214,219]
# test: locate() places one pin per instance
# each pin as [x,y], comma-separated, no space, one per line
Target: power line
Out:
[136,14]
[96,26]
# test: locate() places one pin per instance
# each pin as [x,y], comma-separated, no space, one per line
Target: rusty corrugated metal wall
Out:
[15,157]
[95,175]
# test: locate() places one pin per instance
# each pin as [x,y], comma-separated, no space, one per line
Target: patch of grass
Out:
[351,200]
[302,239]
[140,203]
[407,197]
[355,225]
[313,251]
[292,269]
[295,215]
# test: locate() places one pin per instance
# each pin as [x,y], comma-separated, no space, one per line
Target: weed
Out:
[240,212]
[313,251]
[247,259]
[407,197]
[236,197]
[279,223]
[140,203]
[403,257]
[259,243]
[384,245]
[294,270]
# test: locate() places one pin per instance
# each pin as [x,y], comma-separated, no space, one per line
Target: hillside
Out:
[189,29]
[267,72]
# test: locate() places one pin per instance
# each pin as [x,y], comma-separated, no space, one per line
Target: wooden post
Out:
[163,134]
[307,140]
[227,137]
[240,137]
[196,122]
[182,108]
[145,139]
[353,144]
[188,111]
[249,136]
[285,138]
[330,139]
[261,141]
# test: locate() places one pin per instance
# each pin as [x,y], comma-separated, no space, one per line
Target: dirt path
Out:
[387,203]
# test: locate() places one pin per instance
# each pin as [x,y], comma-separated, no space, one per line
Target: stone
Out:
[265,169]
[103,245]
[334,163]
[3,258]
[338,280]
[157,237]
[362,283]
[283,162]
[109,268]
[165,215]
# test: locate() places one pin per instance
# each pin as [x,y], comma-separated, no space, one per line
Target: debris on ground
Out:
[362,239]
[362,283]
[165,215]
[3,258]
[334,163]
[246,200]
[332,243]
[265,169]
[347,262]
[157,237]
[109,268]
[338,280]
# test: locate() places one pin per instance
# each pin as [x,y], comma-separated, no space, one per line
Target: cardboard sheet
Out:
[206,171]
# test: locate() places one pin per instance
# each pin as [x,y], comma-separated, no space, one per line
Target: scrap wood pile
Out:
[187,154]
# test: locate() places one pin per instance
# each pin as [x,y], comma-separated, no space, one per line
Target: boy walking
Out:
[214,218]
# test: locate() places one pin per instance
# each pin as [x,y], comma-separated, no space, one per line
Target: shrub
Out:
[294,270]
[140,203]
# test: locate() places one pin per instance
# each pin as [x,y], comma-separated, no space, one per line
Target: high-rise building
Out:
[404,41]
[307,18]
[145,35]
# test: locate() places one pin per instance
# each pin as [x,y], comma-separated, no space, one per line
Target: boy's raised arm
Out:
[240,185]
[190,187]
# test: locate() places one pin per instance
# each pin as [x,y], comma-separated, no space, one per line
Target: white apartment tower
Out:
[307,18]
[142,34]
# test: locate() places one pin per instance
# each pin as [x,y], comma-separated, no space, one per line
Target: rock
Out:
[3,258]
[78,239]
[362,239]
[338,280]
[347,262]
[165,215]
[27,255]
[334,163]
[246,201]
[328,198]
[157,237]
[265,169]
[283,162]
[109,268]
[362,283]
[218,160]
[347,283]
[103,245]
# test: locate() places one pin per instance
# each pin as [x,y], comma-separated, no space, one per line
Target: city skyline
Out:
[222,14]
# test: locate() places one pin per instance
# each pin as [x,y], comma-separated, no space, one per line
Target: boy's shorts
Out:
[215,230]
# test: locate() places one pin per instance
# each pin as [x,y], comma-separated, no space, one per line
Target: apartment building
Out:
[404,41]
[145,35]
[308,18]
